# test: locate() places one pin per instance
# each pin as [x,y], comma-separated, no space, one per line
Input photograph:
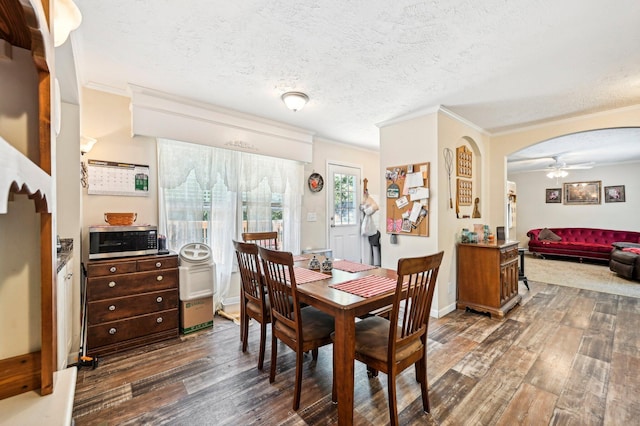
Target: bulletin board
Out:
[407,196]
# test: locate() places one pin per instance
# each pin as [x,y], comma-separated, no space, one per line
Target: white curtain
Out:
[200,200]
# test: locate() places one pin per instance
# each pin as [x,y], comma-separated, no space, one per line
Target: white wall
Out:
[315,234]
[106,117]
[409,142]
[504,144]
[533,211]
[69,207]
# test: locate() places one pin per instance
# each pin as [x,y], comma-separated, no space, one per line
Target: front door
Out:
[344,212]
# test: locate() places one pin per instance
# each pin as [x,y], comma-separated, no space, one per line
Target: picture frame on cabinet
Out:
[614,194]
[553,195]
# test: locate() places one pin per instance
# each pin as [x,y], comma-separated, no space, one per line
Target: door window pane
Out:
[344,196]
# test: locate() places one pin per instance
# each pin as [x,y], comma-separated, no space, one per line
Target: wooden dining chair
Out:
[393,345]
[255,302]
[302,329]
[263,239]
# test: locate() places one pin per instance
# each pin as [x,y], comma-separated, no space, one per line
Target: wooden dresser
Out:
[131,301]
[488,277]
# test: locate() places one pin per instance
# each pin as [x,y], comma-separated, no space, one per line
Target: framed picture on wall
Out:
[614,194]
[582,192]
[553,195]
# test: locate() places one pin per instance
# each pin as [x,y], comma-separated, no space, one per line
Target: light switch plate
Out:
[312,217]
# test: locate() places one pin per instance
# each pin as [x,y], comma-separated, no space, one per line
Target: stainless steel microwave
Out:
[121,241]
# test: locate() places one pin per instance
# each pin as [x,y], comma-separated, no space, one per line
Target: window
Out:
[212,195]
[345,200]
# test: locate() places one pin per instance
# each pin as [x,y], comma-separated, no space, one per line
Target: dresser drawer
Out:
[130,284]
[158,263]
[119,331]
[110,268]
[508,254]
[123,307]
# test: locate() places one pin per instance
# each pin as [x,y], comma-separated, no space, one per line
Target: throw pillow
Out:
[549,235]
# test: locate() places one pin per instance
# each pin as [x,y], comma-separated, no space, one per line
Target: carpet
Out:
[571,273]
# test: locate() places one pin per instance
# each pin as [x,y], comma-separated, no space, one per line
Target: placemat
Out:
[348,266]
[304,275]
[368,286]
[299,258]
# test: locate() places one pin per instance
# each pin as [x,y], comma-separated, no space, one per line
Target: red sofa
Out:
[588,243]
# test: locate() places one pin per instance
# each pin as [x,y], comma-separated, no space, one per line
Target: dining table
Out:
[345,307]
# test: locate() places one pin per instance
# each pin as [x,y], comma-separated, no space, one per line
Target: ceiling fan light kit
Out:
[557,174]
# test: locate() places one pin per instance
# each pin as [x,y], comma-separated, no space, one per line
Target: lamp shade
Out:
[86,143]
[295,101]
[66,18]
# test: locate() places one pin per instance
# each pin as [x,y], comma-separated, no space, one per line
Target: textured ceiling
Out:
[498,64]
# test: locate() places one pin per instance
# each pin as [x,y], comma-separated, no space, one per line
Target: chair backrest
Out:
[416,275]
[263,239]
[250,271]
[281,284]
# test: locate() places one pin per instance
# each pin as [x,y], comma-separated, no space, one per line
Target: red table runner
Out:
[348,266]
[368,286]
[304,275]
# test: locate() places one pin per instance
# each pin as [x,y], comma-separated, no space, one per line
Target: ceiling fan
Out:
[558,169]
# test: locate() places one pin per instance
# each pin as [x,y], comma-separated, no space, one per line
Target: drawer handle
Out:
[112,307]
[112,284]
[112,269]
[112,331]
[158,264]
[159,278]
[159,299]
[159,320]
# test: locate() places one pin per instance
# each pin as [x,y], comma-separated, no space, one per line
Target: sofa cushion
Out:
[547,234]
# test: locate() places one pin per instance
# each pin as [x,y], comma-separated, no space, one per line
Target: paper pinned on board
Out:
[419,193]
[401,202]
[415,212]
[414,179]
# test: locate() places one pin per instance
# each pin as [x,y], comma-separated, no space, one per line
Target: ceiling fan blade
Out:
[588,165]
[522,161]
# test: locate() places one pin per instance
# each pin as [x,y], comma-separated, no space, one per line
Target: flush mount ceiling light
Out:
[295,101]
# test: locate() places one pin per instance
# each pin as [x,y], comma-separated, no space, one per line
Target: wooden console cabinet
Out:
[488,277]
[131,302]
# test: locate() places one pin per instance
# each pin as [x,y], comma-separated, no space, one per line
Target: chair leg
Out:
[421,376]
[274,355]
[314,354]
[393,407]
[424,389]
[298,385]
[263,337]
[242,318]
[244,333]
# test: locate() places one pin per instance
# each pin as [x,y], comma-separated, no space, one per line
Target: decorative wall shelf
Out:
[25,24]
[19,175]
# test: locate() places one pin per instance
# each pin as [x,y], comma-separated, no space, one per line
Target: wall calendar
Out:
[115,178]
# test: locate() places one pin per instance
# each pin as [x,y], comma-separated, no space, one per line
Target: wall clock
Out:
[316,183]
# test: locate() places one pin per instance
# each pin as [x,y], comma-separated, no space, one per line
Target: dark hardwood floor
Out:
[564,357]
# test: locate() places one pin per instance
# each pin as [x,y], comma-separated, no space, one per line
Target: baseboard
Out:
[439,313]
[231,304]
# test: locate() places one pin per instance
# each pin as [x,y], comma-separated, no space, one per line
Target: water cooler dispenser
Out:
[197,287]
